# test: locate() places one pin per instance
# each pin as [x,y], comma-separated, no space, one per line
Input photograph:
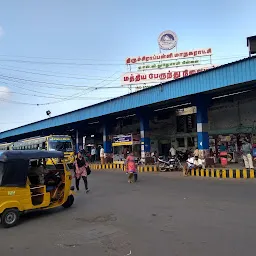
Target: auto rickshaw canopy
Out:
[8,155]
[14,165]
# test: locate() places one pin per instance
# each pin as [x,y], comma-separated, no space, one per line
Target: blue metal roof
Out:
[238,72]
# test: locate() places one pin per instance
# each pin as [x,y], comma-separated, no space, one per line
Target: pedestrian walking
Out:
[131,168]
[247,156]
[102,155]
[81,171]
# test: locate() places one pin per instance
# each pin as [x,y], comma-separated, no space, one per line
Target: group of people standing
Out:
[94,155]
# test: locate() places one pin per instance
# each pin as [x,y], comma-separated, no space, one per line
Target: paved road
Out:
[162,214]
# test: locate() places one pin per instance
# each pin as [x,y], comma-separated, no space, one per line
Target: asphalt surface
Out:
[163,214]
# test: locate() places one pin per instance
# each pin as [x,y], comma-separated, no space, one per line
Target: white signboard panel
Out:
[177,63]
[168,56]
[162,75]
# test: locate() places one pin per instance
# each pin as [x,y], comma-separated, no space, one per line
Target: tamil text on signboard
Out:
[169,56]
[163,75]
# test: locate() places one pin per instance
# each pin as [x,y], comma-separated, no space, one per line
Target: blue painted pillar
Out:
[79,141]
[145,139]
[202,104]
[107,143]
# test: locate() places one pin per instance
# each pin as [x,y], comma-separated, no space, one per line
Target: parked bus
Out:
[52,143]
[6,146]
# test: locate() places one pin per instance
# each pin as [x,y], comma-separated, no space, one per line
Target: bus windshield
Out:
[64,146]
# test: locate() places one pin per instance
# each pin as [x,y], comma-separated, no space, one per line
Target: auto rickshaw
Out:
[27,183]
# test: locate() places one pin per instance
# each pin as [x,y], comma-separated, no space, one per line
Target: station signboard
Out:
[168,56]
[120,140]
[162,75]
[149,70]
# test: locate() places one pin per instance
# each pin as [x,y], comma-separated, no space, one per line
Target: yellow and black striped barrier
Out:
[142,168]
[224,173]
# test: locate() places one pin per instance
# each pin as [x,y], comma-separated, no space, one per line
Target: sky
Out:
[54,54]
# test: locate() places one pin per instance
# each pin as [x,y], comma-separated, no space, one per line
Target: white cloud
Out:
[1,31]
[4,92]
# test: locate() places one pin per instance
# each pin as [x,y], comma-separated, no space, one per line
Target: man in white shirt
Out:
[189,164]
[93,154]
[172,151]
[102,155]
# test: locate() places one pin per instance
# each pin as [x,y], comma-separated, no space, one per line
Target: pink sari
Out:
[81,171]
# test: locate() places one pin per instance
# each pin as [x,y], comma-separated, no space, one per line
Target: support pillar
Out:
[145,139]
[79,141]
[202,104]
[107,144]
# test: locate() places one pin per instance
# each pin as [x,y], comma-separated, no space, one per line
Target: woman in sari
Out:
[131,167]
[80,171]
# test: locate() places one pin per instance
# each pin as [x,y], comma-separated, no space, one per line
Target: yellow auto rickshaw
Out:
[27,183]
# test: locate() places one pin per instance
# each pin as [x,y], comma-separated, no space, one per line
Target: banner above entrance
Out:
[169,56]
[162,75]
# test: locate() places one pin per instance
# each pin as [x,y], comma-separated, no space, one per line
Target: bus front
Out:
[64,144]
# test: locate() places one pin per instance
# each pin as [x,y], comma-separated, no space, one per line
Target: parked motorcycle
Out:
[172,164]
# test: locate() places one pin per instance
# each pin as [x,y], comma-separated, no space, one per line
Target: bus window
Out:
[43,145]
[64,146]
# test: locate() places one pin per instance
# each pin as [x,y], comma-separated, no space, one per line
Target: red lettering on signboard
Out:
[133,60]
[126,78]
[143,58]
[176,75]
[156,75]
[209,50]
[163,56]
[131,78]
[169,75]
[170,55]
[143,77]
[185,54]
[139,59]
[137,79]
[185,73]
[195,53]
[162,76]
[151,76]
[204,51]
[128,61]
[191,72]
[176,55]
[191,54]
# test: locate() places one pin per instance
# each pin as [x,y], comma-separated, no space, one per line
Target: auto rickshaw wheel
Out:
[69,201]
[10,217]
